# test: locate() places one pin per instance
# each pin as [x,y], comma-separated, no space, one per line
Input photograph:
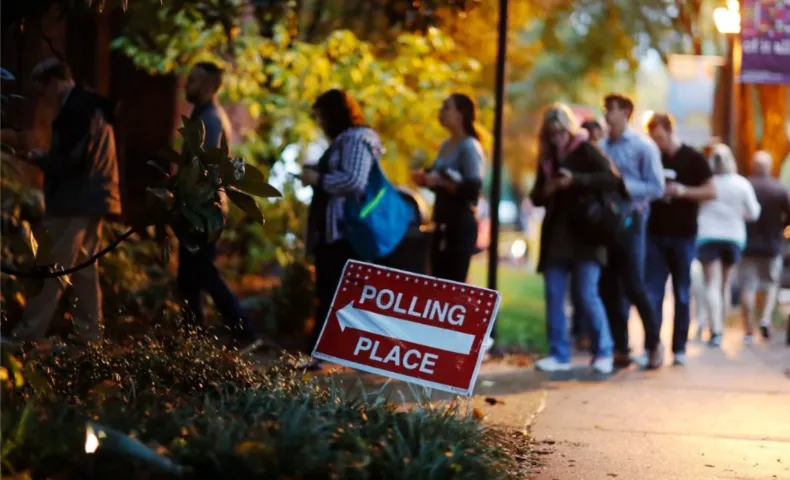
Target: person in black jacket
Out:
[81,189]
[570,168]
[456,178]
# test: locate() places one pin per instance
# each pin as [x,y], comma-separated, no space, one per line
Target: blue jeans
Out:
[622,285]
[585,278]
[667,256]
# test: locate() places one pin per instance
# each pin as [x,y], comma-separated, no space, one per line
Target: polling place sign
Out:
[411,327]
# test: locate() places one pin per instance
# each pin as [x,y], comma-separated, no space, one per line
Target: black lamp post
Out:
[496,181]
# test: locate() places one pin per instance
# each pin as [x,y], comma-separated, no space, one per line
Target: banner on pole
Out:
[765,41]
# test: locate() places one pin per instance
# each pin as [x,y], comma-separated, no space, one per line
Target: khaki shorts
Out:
[756,272]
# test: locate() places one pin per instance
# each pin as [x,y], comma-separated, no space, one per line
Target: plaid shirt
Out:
[353,154]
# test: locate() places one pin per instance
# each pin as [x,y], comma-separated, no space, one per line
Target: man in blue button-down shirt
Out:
[622,281]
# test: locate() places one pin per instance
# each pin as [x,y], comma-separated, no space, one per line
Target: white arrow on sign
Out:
[412,332]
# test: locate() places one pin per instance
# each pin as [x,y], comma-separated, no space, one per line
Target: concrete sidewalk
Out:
[726,415]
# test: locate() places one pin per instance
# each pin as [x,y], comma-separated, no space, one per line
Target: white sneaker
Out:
[680,359]
[748,340]
[604,365]
[551,364]
[642,360]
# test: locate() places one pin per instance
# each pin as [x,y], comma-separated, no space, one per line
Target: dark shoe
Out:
[765,331]
[715,340]
[311,365]
[622,360]
[655,360]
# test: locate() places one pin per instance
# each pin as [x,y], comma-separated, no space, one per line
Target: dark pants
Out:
[329,263]
[452,250]
[197,273]
[671,256]
[622,284]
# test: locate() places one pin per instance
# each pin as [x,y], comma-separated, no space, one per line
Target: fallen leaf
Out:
[709,465]
[613,475]
[478,414]
[493,401]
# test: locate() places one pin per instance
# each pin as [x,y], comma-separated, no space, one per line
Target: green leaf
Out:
[36,380]
[254,183]
[194,133]
[194,219]
[170,155]
[159,168]
[246,203]
[163,194]
[212,156]
[215,222]
[188,177]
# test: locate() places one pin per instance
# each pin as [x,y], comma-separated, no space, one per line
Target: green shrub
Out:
[214,413]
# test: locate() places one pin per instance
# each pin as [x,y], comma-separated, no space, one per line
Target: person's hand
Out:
[310,176]
[674,190]
[432,180]
[35,154]
[418,177]
[564,181]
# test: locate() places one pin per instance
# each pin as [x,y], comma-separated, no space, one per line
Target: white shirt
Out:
[724,218]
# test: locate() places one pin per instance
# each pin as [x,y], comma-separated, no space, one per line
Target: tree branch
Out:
[44,272]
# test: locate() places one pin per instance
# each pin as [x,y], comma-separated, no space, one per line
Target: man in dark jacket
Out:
[80,188]
[197,271]
[761,267]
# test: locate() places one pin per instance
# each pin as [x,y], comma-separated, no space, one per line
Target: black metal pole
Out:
[496,181]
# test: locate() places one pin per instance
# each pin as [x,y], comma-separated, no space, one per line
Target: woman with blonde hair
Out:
[721,234]
[570,169]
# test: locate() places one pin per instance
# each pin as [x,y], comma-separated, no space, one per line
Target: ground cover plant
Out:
[216,415]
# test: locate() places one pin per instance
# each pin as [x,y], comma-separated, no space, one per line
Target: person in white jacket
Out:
[721,234]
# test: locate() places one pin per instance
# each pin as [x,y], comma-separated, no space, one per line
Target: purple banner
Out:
[765,41]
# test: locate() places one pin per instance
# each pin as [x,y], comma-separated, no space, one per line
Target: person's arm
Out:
[356,160]
[471,161]
[705,188]
[751,206]
[538,195]
[650,185]
[603,177]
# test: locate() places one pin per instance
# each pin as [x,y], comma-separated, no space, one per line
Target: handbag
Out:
[600,218]
[377,220]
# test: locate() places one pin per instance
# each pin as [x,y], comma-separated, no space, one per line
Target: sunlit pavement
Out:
[725,415]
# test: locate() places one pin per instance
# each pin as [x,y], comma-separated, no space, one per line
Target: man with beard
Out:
[197,271]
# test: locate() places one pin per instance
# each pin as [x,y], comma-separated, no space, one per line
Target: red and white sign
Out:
[410,327]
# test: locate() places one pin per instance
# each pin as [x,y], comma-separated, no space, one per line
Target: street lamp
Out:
[728,23]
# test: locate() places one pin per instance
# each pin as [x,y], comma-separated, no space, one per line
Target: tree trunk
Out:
[774,106]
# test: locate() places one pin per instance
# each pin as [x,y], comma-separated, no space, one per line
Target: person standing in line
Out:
[197,271]
[672,227]
[342,171]
[622,281]
[80,190]
[722,234]
[595,130]
[761,267]
[456,178]
[579,325]
[570,168]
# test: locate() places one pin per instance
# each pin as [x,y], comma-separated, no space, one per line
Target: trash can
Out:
[412,254]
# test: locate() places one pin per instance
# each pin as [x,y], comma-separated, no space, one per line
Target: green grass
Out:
[522,320]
